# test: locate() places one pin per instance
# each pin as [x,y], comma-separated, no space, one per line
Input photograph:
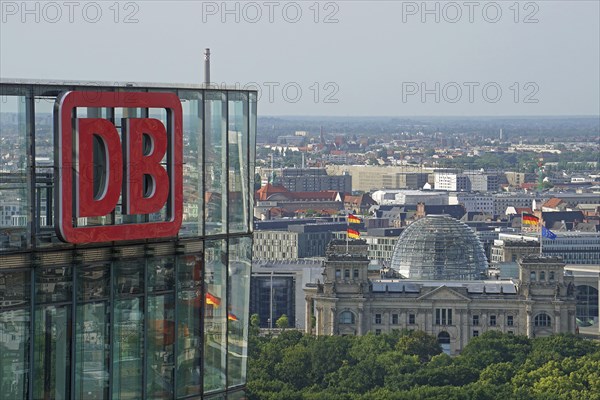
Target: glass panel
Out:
[128,349]
[93,283]
[193,189]
[238,157]
[129,277]
[52,352]
[215,315]
[92,351]
[239,297]
[14,334]
[215,195]
[161,338]
[53,285]
[252,155]
[44,169]
[189,303]
[161,274]
[14,193]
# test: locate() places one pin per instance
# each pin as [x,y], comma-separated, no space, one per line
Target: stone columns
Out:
[308,314]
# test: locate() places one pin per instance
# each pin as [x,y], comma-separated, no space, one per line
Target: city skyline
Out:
[477,59]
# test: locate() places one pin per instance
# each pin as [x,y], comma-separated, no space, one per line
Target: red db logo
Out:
[96,167]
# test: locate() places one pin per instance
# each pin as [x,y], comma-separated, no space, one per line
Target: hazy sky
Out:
[326,58]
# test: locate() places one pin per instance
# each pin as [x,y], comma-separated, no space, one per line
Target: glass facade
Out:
[145,319]
[439,247]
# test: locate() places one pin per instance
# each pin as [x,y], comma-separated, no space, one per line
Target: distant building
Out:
[314,180]
[473,202]
[275,196]
[483,182]
[296,241]
[581,248]
[540,302]
[276,289]
[452,182]
[402,197]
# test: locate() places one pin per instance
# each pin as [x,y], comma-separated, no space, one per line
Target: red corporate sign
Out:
[97,167]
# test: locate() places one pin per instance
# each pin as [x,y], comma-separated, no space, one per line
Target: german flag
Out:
[353,219]
[529,219]
[212,300]
[352,234]
[231,316]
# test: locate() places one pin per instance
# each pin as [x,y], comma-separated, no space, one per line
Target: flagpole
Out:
[522,223]
[540,233]
[347,233]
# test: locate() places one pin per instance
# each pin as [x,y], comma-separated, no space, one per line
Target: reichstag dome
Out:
[439,247]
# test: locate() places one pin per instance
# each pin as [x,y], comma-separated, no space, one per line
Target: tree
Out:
[420,344]
[282,322]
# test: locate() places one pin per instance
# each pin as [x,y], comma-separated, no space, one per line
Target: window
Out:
[355,273]
[394,319]
[551,276]
[338,273]
[378,318]
[347,317]
[542,276]
[542,319]
[475,320]
[411,318]
[378,331]
[492,320]
[346,274]
[475,333]
[511,332]
[532,278]
[509,320]
[443,316]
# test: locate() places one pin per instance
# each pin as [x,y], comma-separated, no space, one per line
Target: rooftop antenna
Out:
[207,67]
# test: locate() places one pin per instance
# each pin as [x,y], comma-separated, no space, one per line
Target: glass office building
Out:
[161,318]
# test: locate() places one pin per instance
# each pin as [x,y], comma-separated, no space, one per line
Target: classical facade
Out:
[540,303]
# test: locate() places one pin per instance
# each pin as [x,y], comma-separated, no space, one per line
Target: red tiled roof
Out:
[266,191]
[325,195]
[553,202]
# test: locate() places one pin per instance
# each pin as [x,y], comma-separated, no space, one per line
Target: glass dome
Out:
[439,247]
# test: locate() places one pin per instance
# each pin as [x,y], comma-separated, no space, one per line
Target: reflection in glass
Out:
[238,172]
[215,195]
[161,337]
[237,317]
[129,277]
[14,334]
[14,194]
[51,361]
[161,274]
[252,154]
[53,285]
[93,283]
[92,351]
[193,189]
[128,348]
[190,303]
[215,315]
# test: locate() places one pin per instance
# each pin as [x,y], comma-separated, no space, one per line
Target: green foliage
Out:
[282,322]
[410,365]
[420,344]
